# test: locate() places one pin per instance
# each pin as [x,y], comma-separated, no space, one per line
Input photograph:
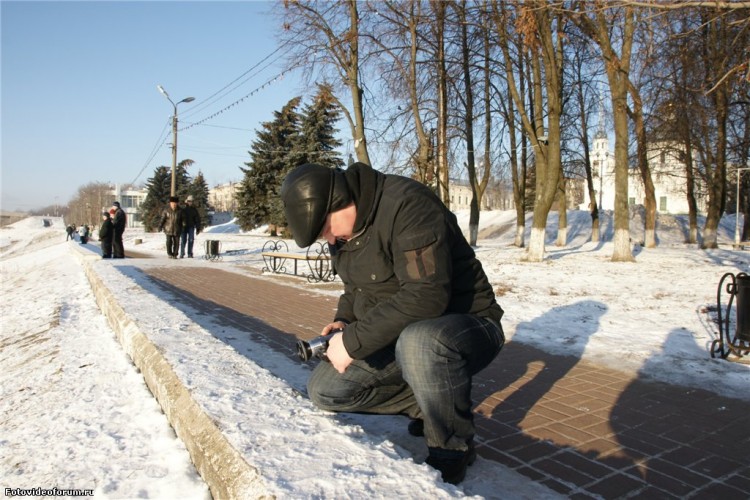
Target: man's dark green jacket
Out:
[408,261]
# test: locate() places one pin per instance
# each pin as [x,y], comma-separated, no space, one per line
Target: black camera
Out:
[317,347]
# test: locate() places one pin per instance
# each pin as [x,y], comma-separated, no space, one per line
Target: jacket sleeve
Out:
[420,250]
[163,220]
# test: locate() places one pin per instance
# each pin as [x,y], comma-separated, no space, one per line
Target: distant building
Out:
[222,197]
[130,200]
[667,173]
[494,197]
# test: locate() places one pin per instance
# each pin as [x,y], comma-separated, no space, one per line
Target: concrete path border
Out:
[225,471]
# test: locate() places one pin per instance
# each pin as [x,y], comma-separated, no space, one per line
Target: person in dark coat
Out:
[172,223]
[70,230]
[192,227]
[119,221]
[418,315]
[106,235]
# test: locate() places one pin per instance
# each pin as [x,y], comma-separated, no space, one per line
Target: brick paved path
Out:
[580,429]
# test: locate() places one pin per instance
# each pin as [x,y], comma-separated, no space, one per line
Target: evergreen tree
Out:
[270,156]
[159,190]
[318,141]
[199,190]
[183,181]
[158,187]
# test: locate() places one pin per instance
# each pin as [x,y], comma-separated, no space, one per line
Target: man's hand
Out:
[337,354]
[337,325]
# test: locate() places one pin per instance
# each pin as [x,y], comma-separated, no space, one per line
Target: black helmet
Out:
[309,193]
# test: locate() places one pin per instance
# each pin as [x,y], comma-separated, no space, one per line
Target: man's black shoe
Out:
[416,427]
[452,464]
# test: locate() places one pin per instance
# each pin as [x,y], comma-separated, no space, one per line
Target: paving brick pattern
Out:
[579,428]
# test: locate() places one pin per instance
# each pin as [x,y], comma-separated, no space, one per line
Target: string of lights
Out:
[163,136]
[276,78]
[219,94]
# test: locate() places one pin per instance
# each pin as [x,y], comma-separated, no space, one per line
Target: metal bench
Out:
[276,254]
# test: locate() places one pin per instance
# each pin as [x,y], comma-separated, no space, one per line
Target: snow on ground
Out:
[78,417]
[74,412]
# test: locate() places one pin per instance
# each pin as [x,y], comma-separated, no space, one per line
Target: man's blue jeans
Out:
[187,236]
[427,375]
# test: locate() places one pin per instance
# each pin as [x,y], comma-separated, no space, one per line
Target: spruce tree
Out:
[318,141]
[199,190]
[269,160]
[182,180]
[158,188]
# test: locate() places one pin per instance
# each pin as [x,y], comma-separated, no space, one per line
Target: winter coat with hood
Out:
[407,261]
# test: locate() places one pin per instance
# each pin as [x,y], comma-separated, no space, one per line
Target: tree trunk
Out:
[692,203]
[593,208]
[622,251]
[642,159]
[716,41]
[717,191]
[468,100]
[562,210]
[443,169]
[599,28]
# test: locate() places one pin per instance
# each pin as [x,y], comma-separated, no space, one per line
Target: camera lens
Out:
[303,350]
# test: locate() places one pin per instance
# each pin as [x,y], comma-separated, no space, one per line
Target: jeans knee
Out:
[322,391]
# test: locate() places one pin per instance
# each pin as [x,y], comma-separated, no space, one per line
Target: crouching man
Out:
[418,314]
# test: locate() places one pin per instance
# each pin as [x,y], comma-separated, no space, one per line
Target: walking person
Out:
[192,227]
[119,221]
[172,223]
[106,235]
[418,316]
[70,230]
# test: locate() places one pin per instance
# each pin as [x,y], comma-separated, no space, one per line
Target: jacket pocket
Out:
[418,250]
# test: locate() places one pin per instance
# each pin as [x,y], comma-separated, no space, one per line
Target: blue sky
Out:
[79,96]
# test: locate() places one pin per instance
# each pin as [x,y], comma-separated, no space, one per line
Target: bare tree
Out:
[636,114]
[604,23]
[327,33]
[443,169]
[541,27]
[401,46]
[88,203]
[585,101]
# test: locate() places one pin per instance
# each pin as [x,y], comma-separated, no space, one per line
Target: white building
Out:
[460,195]
[130,200]
[222,197]
[667,173]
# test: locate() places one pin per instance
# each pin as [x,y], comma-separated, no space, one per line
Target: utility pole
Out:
[173,190]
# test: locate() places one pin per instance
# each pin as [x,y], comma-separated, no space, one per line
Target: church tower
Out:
[600,167]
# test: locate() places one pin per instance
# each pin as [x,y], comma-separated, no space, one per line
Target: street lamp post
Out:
[737,212]
[174,136]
